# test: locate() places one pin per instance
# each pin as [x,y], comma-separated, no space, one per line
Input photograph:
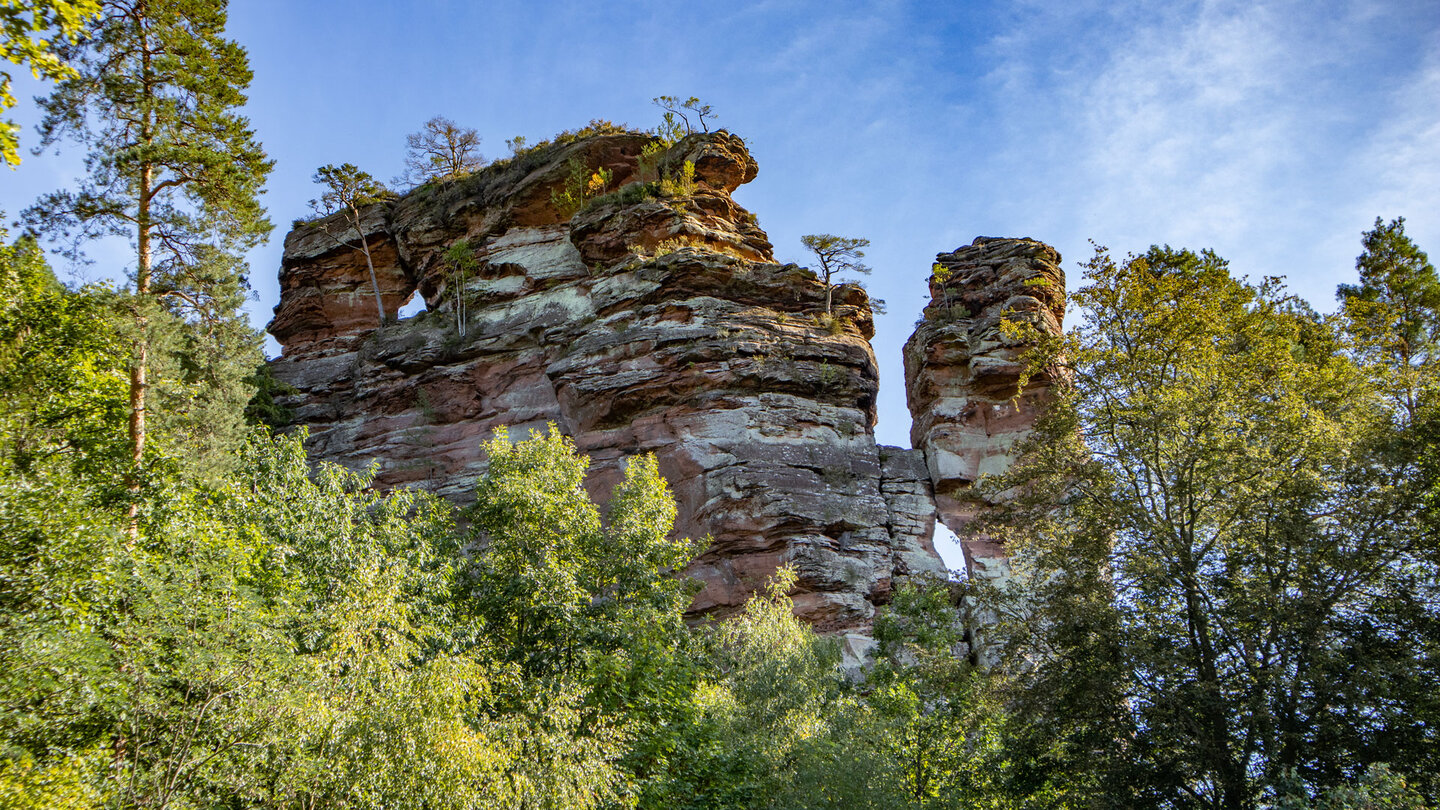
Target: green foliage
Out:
[32,33]
[154,99]
[24,785]
[522,150]
[940,277]
[580,185]
[347,190]
[1393,314]
[679,183]
[346,187]
[1232,502]
[1224,534]
[832,324]
[264,407]
[164,78]
[768,696]
[647,166]
[675,124]
[63,370]
[555,578]
[460,258]
[628,194]
[157,652]
[1378,787]
[298,639]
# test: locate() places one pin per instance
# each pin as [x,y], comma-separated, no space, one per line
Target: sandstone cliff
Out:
[647,322]
[963,376]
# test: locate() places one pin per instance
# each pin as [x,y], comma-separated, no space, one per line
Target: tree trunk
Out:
[365,248]
[140,359]
[140,362]
[1230,776]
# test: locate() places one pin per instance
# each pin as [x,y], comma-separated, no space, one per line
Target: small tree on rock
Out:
[347,190]
[441,150]
[676,124]
[836,254]
[460,258]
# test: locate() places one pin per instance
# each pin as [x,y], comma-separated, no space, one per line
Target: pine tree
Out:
[174,167]
[836,255]
[347,190]
[1393,314]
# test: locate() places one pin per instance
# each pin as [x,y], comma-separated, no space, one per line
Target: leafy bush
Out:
[647,166]
[832,324]
[581,184]
[679,183]
[520,147]
[628,194]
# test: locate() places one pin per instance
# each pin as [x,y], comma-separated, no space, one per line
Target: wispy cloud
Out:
[1402,153]
[1248,127]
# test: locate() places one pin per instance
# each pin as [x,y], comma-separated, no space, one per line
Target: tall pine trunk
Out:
[369,264]
[140,359]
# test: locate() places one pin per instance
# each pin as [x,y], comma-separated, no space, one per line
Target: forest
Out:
[1224,537]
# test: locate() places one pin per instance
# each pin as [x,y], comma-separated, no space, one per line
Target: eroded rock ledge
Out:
[645,323]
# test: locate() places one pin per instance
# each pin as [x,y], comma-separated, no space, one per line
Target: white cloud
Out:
[1247,127]
[1402,156]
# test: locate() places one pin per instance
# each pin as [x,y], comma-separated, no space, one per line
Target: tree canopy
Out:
[1236,578]
[440,150]
[34,34]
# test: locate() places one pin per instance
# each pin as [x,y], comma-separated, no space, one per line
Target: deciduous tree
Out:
[440,150]
[462,262]
[1219,575]
[34,33]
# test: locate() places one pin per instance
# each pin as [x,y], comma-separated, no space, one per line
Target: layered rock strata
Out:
[655,320]
[963,375]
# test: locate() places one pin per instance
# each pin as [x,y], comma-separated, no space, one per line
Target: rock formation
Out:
[653,320]
[963,375]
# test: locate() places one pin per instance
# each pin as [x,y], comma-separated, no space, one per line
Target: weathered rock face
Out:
[963,376]
[645,323]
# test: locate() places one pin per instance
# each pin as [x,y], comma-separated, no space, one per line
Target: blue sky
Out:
[1273,132]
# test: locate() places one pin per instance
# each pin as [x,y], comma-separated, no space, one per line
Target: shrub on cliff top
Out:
[521,148]
[628,194]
